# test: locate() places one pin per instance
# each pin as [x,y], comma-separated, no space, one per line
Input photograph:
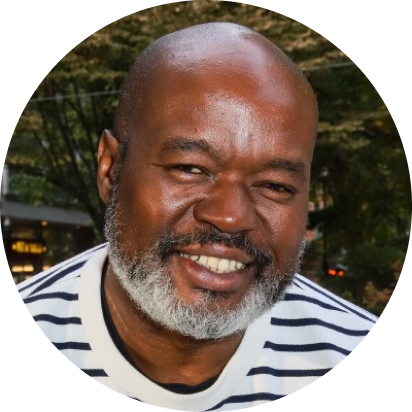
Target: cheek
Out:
[151,208]
[284,229]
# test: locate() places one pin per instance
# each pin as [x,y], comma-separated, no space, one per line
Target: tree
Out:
[367,192]
[367,214]
[53,148]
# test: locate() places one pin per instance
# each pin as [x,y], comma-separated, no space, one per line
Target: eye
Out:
[277,191]
[276,187]
[188,172]
[189,169]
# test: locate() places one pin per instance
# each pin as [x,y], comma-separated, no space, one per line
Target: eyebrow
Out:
[187,144]
[295,167]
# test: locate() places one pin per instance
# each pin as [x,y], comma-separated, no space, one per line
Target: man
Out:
[195,304]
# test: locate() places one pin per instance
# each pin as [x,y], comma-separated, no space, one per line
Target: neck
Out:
[160,354]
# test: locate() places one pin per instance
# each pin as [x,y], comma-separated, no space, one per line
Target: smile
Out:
[215,264]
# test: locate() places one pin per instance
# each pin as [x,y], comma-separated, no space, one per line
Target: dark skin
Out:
[230,149]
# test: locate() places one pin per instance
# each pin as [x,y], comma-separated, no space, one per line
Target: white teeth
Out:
[215,264]
[223,264]
[239,265]
[212,263]
[202,260]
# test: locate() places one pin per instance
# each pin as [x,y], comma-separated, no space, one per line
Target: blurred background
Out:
[360,200]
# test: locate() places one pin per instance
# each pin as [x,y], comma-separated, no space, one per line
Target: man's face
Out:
[218,172]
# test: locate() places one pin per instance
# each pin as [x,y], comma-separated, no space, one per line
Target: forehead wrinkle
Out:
[178,144]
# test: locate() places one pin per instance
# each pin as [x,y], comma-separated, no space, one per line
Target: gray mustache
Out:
[168,244]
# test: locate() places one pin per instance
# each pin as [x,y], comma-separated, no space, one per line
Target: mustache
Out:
[168,244]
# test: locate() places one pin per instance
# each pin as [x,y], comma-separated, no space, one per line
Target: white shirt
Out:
[299,340]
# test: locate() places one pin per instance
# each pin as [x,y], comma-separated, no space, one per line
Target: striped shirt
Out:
[305,335]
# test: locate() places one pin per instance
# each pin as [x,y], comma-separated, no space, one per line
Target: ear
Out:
[107,157]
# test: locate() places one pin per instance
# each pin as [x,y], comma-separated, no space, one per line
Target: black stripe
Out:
[296,284]
[259,396]
[329,296]
[311,347]
[56,320]
[318,322]
[48,279]
[287,373]
[35,282]
[56,295]
[289,297]
[63,266]
[94,373]
[57,277]
[72,345]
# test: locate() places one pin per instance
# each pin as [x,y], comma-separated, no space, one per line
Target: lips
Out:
[213,267]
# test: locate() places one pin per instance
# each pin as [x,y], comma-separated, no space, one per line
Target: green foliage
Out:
[367,189]
[56,138]
[360,174]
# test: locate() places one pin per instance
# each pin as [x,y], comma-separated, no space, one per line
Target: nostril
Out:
[230,210]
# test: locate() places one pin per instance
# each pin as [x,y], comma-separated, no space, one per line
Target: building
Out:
[36,238]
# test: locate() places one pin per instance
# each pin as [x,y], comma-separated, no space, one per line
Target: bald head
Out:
[224,50]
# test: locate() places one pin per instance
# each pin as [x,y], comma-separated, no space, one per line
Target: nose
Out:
[228,207]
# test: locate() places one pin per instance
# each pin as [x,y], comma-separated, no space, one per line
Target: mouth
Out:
[227,271]
[215,264]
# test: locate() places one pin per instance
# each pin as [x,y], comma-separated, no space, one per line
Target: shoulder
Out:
[312,314]
[325,303]
[52,299]
[57,279]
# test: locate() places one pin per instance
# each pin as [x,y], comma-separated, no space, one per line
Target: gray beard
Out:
[149,284]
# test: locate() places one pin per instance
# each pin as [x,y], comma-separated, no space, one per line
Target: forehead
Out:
[250,64]
[232,97]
